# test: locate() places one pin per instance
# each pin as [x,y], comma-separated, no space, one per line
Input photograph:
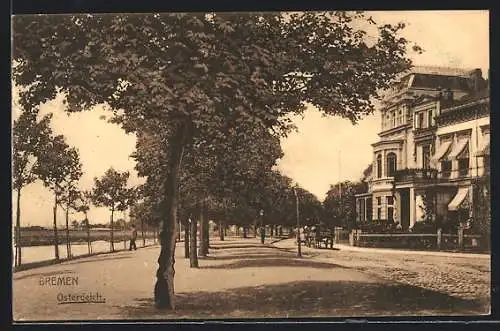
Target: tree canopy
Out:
[199,78]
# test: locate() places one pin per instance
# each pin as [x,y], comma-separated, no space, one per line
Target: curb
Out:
[343,247]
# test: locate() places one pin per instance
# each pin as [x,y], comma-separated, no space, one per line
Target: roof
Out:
[444,71]
[438,81]
[468,99]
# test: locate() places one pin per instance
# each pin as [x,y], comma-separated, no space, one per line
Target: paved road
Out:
[461,275]
[240,279]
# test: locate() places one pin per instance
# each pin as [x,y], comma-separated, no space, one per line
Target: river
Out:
[32,254]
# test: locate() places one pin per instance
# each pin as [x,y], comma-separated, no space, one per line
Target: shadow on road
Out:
[262,255]
[309,298]
[272,261]
[44,274]
[95,259]
[232,246]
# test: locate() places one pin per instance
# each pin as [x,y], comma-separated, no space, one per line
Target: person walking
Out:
[133,237]
[262,231]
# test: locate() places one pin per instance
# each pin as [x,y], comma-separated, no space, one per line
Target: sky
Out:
[322,152]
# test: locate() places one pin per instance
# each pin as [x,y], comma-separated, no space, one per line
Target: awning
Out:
[484,150]
[442,150]
[459,198]
[457,149]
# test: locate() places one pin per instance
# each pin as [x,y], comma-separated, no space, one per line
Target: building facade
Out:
[434,141]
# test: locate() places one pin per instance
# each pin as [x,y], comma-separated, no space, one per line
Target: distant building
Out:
[434,141]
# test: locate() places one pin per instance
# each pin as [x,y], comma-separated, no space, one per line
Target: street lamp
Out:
[299,250]
[262,229]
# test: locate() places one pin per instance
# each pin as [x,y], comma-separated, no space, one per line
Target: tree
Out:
[28,137]
[111,191]
[83,204]
[68,200]
[59,167]
[340,203]
[482,208]
[196,76]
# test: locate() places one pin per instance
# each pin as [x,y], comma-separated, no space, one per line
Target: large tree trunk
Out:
[179,231]
[68,242]
[112,244]
[56,241]
[142,233]
[164,287]
[203,251]
[18,229]
[186,239]
[207,231]
[193,253]
[221,230]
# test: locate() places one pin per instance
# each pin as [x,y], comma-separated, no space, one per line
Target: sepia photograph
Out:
[250,165]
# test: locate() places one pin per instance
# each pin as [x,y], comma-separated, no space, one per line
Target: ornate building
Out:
[433,142]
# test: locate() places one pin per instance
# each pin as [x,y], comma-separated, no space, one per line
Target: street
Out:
[243,279]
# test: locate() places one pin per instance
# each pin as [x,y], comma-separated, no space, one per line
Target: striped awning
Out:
[485,149]
[442,150]
[457,149]
[459,198]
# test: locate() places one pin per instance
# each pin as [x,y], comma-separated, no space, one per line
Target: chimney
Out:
[476,80]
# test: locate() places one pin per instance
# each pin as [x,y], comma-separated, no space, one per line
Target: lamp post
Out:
[262,229]
[299,249]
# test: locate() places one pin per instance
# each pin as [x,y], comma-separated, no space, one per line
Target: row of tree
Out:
[38,154]
[214,88]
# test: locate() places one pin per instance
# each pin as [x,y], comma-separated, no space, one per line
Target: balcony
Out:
[424,133]
[412,175]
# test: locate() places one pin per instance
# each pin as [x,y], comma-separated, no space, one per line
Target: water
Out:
[32,254]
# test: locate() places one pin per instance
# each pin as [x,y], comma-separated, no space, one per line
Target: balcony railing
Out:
[404,175]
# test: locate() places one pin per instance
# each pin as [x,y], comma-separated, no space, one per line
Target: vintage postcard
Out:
[218,166]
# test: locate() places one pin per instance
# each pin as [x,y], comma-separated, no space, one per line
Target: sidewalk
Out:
[291,243]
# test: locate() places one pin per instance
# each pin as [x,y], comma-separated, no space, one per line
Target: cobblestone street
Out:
[465,276]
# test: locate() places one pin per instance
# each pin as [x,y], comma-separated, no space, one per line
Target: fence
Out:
[341,235]
[432,241]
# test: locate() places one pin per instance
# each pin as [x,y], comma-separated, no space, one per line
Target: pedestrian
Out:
[262,231]
[133,237]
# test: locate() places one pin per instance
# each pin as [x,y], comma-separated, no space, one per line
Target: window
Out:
[362,210]
[393,117]
[369,210]
[446,168]
[420,120]
[463,161]
[391,164]
[486,162]
[390,214]
[426,156]
[390,208]
[379,166]
[463,167]
[400,117]
[429,118]
[379,208]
